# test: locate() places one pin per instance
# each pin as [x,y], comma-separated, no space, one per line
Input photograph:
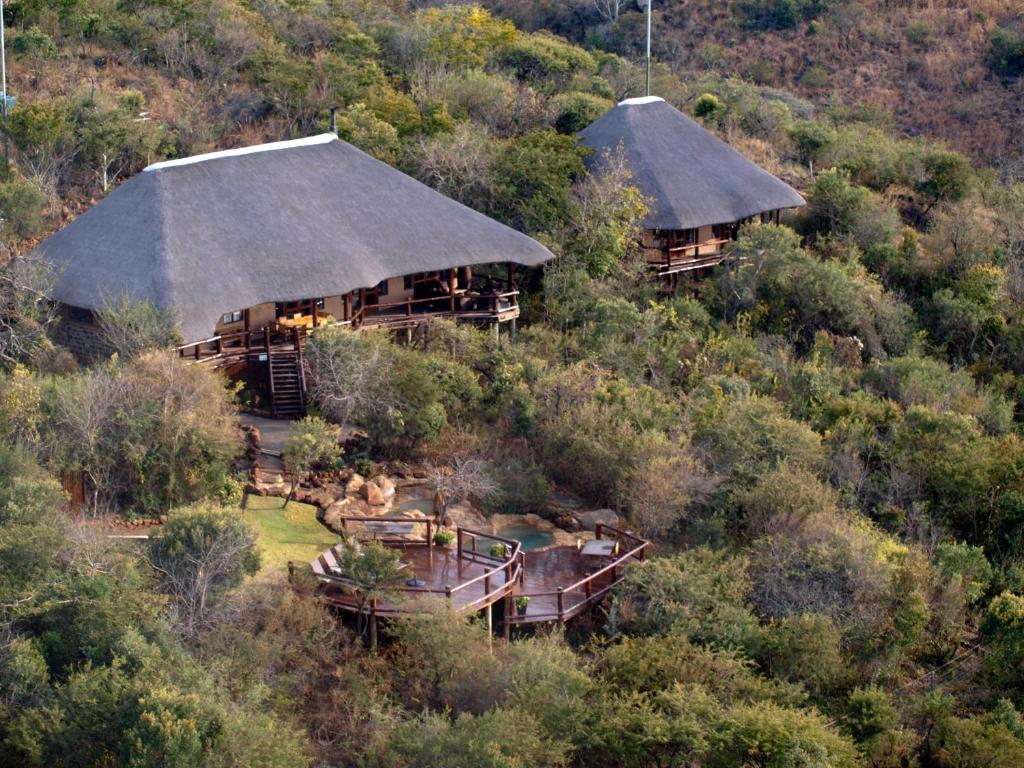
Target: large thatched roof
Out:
[692,177]
[277,222]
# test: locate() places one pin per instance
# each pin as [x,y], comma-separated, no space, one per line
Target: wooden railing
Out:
[396,312]
[587,591]
[689,256]
[509,567]
[243,343]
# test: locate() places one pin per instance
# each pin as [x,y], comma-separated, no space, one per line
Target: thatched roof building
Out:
[273,223]
[693,178]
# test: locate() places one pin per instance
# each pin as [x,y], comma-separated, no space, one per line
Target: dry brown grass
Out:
[943,88]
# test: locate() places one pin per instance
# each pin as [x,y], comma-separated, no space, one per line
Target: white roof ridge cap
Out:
[640,100]
[309,141]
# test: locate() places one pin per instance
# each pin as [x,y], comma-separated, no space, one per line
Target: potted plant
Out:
[498,550]
[444,538]
[521,603]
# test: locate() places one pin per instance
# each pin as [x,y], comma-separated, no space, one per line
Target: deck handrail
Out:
[249,339]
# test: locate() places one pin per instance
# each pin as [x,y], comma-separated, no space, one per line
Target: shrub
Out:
[1007,53]
[23,204]
[710,108]
[543,57]
[838,207]
[151,435]
[815,78]
[34,43]
[919,34]
[578,110]
[132,327]
[812,138]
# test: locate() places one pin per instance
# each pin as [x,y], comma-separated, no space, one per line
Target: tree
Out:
[371,572]
[26,311]
[312,443]
[604,215]
[200,555]
[947,178]
[454,484]
[349,375]
[152,434]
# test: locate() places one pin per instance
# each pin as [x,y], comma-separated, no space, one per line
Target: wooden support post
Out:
[598,530]
[448,593]
[451,289]
[220,345]
[348,306]
[430,536]
[490,628]
[316,313]
[509,603]
[561,604]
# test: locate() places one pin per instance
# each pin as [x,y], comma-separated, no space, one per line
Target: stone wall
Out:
[82,338]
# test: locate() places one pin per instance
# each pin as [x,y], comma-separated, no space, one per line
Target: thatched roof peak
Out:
[692,177]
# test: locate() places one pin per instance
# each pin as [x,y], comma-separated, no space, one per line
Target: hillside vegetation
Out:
[948,69]
[825,444]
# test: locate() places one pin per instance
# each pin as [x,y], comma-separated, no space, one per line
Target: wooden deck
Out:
[561,582]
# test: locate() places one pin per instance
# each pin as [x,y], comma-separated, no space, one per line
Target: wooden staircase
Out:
[287,383]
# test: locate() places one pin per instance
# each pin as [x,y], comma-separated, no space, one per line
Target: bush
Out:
[710,108]
[1007,53]
[838,207]
[22,204]
[544,57]
[812,139]
[578,110]
[34,43]
[151,435]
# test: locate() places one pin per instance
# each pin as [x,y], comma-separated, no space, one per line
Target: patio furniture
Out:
[598,548]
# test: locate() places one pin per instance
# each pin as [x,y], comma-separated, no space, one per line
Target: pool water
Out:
[528,536]
[426,506]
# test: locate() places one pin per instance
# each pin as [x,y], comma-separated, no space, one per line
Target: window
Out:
[407,282]
[232,317]
[382,288]
[724,231]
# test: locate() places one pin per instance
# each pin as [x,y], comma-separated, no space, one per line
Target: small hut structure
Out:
[253,247]
[700,189]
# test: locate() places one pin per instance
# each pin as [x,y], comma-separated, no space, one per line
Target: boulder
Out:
[373,494]
[589,520]
[355,483]
[386,485]
[567,522]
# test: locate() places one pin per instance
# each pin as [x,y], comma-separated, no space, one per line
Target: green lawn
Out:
[286,534]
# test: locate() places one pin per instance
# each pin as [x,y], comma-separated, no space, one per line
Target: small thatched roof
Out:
[692,177]
[277,222]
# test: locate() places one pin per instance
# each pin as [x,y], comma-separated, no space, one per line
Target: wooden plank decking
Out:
[561,582]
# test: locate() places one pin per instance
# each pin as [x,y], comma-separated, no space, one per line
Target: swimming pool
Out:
[527,535]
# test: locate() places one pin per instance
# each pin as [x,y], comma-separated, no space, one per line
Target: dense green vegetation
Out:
[826,443]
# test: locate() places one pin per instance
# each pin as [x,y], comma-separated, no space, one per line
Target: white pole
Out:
[3,67]
[649,3]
